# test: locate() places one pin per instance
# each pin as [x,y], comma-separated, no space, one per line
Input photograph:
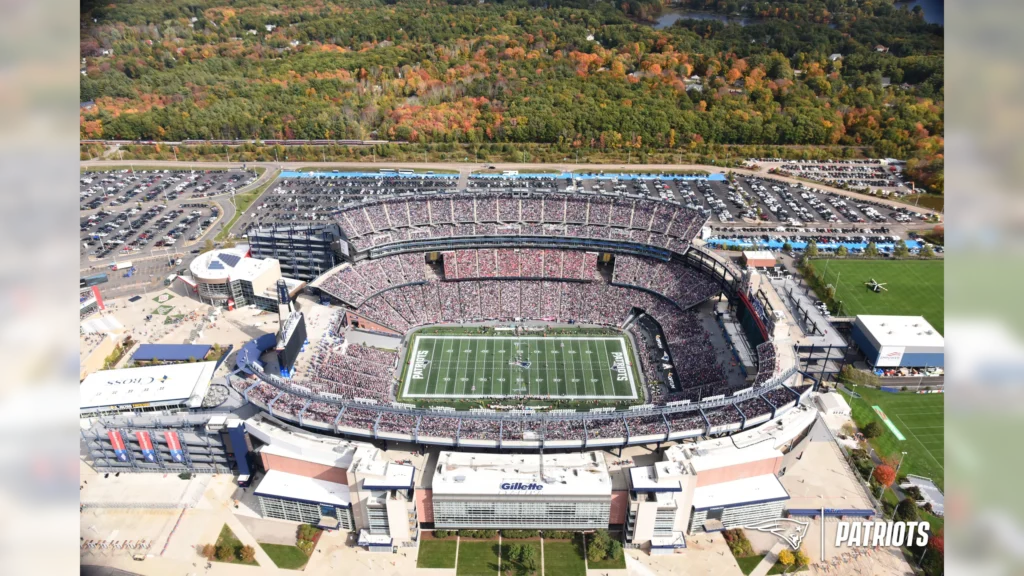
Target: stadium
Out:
[566,319]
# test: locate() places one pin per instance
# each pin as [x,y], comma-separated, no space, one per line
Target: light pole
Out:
[901,462]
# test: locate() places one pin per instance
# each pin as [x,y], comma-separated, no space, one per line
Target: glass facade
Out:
[304,512]
[497,512]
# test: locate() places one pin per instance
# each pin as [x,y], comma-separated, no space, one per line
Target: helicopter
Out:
[876,286]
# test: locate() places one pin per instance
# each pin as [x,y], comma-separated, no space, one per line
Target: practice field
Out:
[918,417]
[580,366]
[914,287]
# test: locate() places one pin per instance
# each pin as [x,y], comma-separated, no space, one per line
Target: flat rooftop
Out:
[720,453]
[663,476]
[288,441]
[385,475]
[222,264]
[901,330]
[279,484]
[754,490]
[577,474]
[147,385]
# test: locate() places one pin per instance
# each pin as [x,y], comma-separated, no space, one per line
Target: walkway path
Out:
[769,560]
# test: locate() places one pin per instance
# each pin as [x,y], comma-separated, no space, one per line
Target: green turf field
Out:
[918,417]
[914,287]
[568,366]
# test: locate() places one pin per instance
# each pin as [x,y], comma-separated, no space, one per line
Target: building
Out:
[833,403]
[715,484]
[166,444]
[520,491]
[304,252]
[231,278]
[758,259]
[899,341]
[174,388]
[332,483]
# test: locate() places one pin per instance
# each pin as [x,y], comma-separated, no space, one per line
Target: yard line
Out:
[605,358]
[588,367]
[926,450]
[570,378]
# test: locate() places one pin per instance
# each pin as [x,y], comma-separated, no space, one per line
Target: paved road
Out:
[467,168]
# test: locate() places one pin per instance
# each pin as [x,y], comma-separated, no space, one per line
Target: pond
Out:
[670,17]
[934,11]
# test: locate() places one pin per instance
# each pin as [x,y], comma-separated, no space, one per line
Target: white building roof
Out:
[712,454]
[758,255]
[663,476]
[574,474]
[757,489]
[281,439]
[834,402]
[294,487]
[385,474]
[901,330]
[149,385]
[219,264]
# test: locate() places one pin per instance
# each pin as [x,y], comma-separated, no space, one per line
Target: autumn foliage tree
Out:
[885,475]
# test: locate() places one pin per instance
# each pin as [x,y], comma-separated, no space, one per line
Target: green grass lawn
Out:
[619,564]
[478,558]
[919,417]
[436,553]
[228,538]
[563,558]
[517,569]
[915,287]
[748,563]
[287,557]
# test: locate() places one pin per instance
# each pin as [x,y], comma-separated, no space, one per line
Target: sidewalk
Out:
[769,560]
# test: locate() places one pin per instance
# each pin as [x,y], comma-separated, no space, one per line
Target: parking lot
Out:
[882,175]
[747,200]
[124,213]
[307,200]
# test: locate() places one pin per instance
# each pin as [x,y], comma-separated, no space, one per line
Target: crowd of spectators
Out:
[394,219]
[520,263]
[673,280]
[767,362]
[355,283]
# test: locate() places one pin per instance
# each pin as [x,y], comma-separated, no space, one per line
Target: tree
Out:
[926,251]
[248,553]
[786,558]
[885,475]
[937,542]
[842,251]
[225,553]
[812,249]
[901,250]
[871,250]
[597,545]
[208,551]
[208,245]
[787,247]
[801,559]
[872,430]
[906,510]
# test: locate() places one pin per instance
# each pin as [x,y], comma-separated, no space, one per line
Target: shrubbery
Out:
[483,534]
[559,534]
[601,546]
[738,543]
[518,534]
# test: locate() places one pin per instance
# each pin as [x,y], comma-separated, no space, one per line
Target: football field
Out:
[585,367]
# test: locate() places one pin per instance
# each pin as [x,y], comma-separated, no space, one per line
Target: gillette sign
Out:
[882,534]
[522,487]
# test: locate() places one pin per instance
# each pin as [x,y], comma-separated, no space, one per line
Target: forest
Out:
[572,73]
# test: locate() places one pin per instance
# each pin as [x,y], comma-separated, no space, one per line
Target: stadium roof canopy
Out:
[132,388]
[901,330]
[171,352]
